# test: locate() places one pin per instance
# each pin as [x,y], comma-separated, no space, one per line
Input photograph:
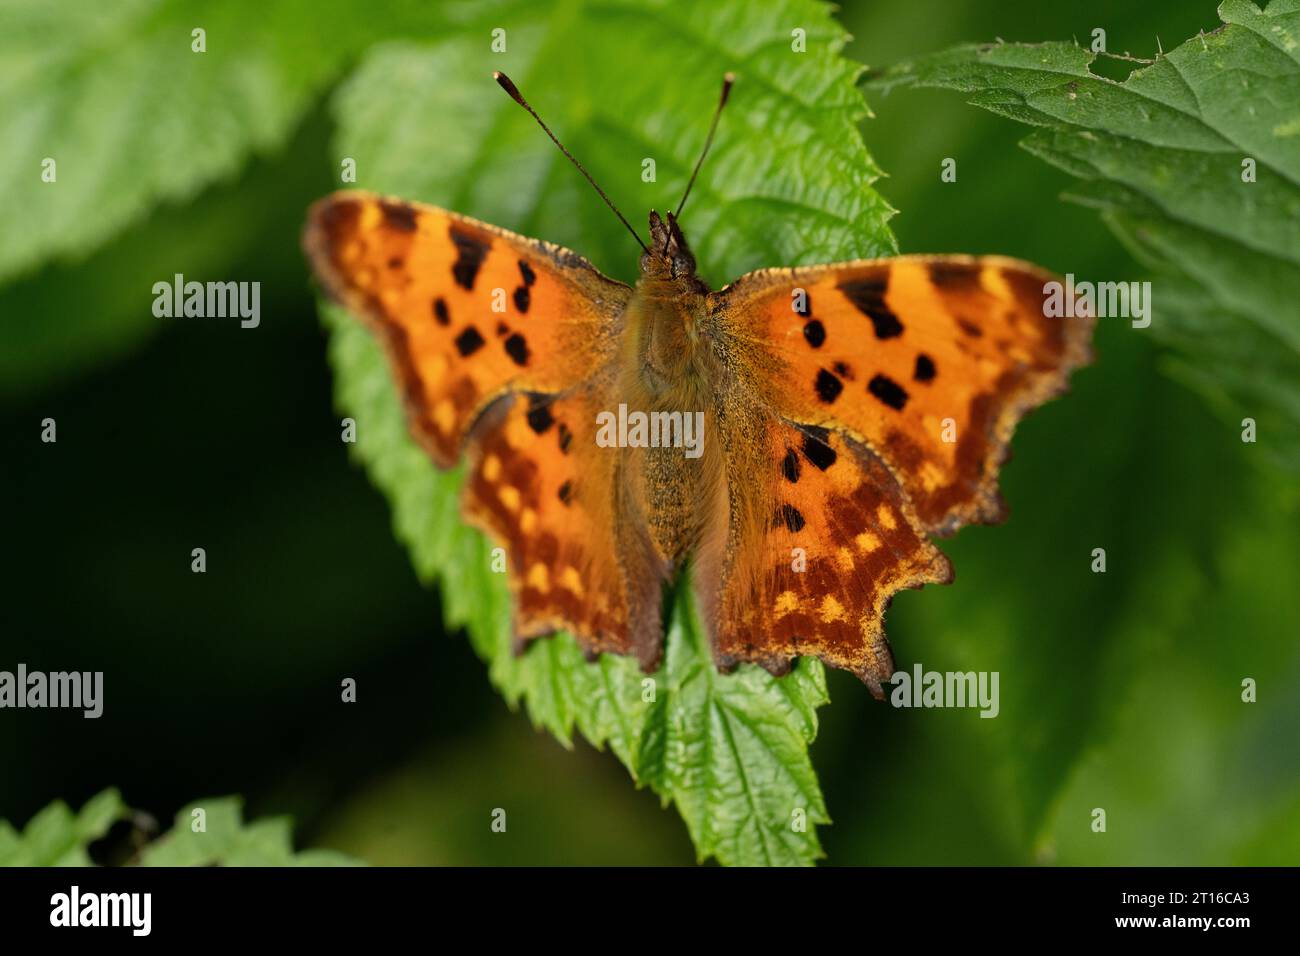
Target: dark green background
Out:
[228,682]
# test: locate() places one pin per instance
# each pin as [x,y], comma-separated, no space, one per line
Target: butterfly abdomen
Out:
[669,374]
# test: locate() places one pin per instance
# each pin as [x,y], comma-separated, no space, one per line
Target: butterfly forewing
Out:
[928,361]
[468,312]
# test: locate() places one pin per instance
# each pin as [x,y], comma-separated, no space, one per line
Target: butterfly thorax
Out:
[664,318]
[670,368]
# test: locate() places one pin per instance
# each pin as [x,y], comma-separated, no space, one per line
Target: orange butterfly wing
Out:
[505,344]
[878,399]
[430,282]
[928,360]
[821,537]
[579,561]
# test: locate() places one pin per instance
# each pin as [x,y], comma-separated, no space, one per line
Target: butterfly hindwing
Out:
[929,361]
[467,312]
[820,539]
[540,485]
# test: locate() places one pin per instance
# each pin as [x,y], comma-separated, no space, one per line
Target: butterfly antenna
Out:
[508,85]
[727,80]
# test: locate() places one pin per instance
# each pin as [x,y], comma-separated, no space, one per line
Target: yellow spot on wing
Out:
[517,432]
[570,580]
[831,610]
[995,283]
[491,467]
[786,602]
[931,475]
[509,496]
[538,578]
[866,542]
[886,517]
[444,416]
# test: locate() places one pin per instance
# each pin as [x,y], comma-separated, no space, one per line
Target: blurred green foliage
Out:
[58,837]
[1120,690]
[206,833]
[134,119]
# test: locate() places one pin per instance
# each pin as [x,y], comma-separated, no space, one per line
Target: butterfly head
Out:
[669,257]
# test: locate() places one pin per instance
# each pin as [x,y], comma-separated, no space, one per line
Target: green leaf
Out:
[1160,155]
[242,229]
[733,751]
[141,130]
[58,837]
[133,117]
[228,841]
[788,182]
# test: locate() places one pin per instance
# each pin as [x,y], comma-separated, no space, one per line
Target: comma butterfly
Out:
[849,411]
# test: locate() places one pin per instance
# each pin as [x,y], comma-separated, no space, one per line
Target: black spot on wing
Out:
[440,313]
[888,391]
[566,438]
[868,297]
[816,446]
[924,370]
[398,215]
[814,333]
[790,466]
[527,273]
[522,298]
[468,342]
[790,516]
[566,492]
[470,253]
[827,386]
[517,349]
[539,414]
[843,371]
